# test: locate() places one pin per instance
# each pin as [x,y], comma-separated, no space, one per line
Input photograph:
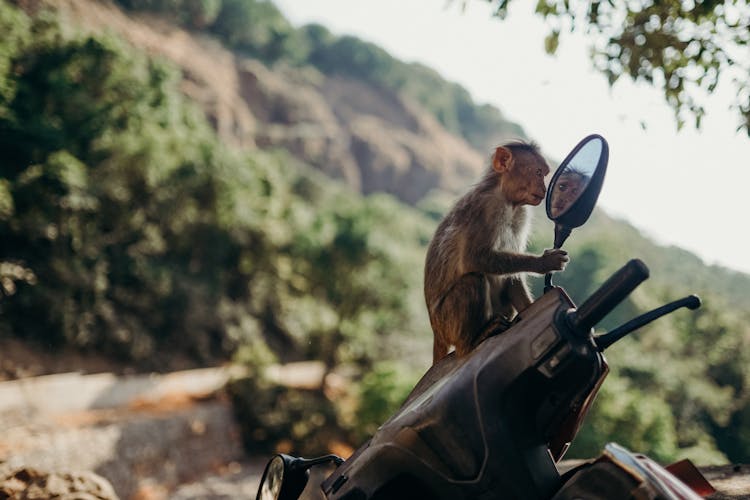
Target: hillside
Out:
[371,137]
[367,136]
[672,268]
[219,234]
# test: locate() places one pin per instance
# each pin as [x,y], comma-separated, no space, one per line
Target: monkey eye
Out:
[539,172]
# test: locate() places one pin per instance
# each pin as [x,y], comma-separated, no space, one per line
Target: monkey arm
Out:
[503,262]
[498,262]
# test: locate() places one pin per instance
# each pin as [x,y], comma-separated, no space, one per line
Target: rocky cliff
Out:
[368,137]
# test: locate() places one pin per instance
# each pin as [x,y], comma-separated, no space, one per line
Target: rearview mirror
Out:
[575,187]
[285,476]
[272,482]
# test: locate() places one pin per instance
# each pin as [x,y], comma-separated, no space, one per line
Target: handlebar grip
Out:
[611,293]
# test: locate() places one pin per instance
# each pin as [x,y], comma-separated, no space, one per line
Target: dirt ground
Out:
[730,481]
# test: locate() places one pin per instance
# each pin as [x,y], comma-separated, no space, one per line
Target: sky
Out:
[685,188]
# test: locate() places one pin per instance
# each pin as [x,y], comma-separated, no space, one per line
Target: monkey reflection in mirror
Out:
[473,281]
[568,187]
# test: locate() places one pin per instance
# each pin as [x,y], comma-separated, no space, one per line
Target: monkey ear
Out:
[502,160]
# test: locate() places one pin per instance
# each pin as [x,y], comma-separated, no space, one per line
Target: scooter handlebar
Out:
[609,295]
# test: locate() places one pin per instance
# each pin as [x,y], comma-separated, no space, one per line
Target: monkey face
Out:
[523,183]
[566,191]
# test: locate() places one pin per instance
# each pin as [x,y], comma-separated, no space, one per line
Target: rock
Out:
[397,146]
[29,483]
[293,115]
[146,434]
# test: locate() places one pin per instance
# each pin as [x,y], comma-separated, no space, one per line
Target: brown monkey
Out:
[473,268]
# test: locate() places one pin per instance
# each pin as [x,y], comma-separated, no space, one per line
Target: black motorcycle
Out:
[495,423]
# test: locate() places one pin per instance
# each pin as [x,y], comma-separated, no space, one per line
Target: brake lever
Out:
[604,341]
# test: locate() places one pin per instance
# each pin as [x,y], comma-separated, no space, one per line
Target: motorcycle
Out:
[495,423]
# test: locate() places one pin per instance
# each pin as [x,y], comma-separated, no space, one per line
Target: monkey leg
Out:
[519,294]
[461,315]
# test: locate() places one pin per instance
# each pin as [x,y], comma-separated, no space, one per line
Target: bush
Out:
[381,393]
[275,418]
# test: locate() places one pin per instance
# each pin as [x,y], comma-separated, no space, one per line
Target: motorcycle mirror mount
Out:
[574,189]
[285,476]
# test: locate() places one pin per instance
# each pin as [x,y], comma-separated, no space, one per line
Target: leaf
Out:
[551,42]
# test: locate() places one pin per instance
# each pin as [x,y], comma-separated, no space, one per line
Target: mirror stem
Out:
[561,234]
[548,282]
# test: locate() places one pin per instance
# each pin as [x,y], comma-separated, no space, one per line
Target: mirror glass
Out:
[270,486]
[573,177]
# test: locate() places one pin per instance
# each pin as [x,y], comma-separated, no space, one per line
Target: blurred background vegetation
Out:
[128,228]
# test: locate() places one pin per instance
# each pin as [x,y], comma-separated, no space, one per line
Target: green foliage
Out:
[89,136]
[198,14]
[128,229]
[309,420]
[15,28]
[369,291]
[683,48]
[254,26]
[336,275]
[201,13]
[271,416]
[634,418]
[382,391]
[451,104]
[694,362]
[257,28]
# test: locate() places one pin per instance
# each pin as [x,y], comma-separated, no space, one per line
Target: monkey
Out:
[566,190]
[473,277]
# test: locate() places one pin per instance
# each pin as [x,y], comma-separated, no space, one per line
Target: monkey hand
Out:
[553,260]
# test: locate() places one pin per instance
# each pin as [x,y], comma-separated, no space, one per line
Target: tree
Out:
[98,148]
[682,47]
[256,27]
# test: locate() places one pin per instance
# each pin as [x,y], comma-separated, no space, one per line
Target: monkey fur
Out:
[473,280]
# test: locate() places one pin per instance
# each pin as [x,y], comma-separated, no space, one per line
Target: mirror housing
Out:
[279,480]
[575,187]
[587,163]
[285,477]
